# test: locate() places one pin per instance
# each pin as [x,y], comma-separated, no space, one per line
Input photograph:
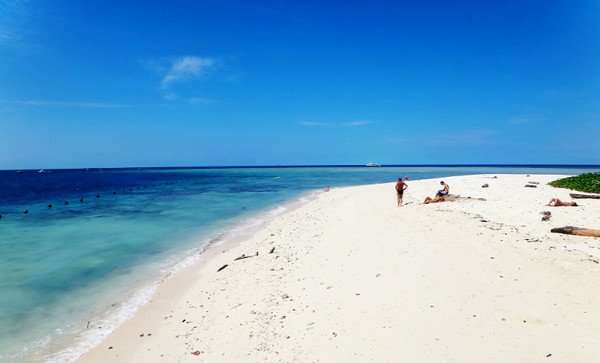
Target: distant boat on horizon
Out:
[373,164]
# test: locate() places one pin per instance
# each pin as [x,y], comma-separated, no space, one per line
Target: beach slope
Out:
[354,278]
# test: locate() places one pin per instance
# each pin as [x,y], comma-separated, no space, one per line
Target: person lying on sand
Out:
[437,199]
[555,202]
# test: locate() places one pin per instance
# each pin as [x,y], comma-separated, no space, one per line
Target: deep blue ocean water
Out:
[69,269]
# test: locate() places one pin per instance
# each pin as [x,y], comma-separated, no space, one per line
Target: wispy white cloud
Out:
[313,123]
[565,93]
[171,96]
[188,67]
[357,123]
[463,138]
[18,20]
[460,138]
[201,101]
[47,103]
[5,36]
[335,124]
[402,140]
[179,70]
[525,119]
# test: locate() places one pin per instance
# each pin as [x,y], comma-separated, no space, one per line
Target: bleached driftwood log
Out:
[585,196]
[577,231]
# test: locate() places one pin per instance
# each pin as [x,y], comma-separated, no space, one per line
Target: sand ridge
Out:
[354,278]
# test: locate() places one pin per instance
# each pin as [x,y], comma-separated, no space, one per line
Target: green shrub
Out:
[589,182]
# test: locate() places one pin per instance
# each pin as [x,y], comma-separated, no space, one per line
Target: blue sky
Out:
[204,83]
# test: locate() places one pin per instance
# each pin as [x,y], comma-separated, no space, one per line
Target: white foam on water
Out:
[71,342]
[102,327]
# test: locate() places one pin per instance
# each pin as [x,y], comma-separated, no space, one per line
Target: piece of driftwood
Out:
[244,256]
[272,250]
[467,198]
[453,197]
[577,231]
[530,186]
[585,196]
[222,267]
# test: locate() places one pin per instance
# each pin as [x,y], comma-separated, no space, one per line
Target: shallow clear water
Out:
[71,272]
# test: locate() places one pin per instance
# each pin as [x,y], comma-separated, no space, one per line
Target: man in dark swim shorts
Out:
[400,188]
[443,192]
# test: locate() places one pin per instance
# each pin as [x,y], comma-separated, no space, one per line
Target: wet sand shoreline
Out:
[354,278]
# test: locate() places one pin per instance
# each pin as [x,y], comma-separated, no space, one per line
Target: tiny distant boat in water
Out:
[19,172]
[41,171]
[373,164]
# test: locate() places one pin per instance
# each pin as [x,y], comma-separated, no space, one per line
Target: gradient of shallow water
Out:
[70,273]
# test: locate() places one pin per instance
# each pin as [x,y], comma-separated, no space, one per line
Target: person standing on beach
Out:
[400,188]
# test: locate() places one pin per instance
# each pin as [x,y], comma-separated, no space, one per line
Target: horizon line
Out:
[318,166]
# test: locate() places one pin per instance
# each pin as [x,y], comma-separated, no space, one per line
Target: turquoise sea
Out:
[94,244]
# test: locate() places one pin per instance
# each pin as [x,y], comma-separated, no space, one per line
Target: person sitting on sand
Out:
[445,191]
[555,202]
[437,199]
[400,188]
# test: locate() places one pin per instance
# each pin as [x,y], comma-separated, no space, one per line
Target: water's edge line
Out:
[228,238]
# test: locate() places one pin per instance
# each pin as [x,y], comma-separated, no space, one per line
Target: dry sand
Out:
[354,278]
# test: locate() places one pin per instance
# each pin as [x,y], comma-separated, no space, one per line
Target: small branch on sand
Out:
[584,196]
[577,231]
[546,216]
[272,250]
[244,256]
[222,267]
[452,197]
[530,186]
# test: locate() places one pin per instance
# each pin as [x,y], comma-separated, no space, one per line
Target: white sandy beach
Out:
[353,278]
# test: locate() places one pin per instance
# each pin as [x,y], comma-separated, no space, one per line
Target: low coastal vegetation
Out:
[589,182]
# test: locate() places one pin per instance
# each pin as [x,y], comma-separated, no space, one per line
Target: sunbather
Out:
[437,199]
[555,202]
